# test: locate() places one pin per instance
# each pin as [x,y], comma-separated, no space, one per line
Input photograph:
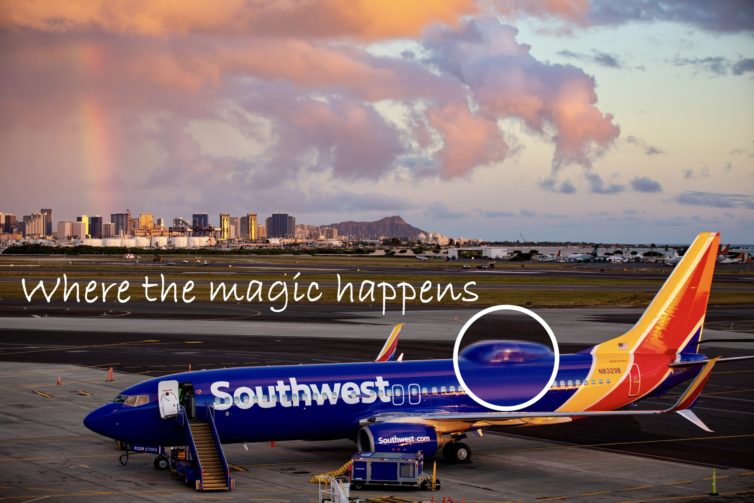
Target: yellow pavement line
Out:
[42,394]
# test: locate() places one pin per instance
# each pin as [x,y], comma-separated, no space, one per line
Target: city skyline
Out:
[568,120]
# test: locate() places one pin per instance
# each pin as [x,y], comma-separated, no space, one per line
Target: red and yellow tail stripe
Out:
[666,327]
[387,352]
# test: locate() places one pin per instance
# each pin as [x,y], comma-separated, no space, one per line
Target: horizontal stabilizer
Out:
[689,414]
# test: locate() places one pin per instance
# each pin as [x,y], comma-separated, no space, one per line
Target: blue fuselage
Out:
[319,402]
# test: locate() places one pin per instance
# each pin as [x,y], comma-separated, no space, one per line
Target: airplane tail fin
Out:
[673,321]
[387,353]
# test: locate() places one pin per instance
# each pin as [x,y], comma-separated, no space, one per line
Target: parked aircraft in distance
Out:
[413,406]
[583,257]
[547,258]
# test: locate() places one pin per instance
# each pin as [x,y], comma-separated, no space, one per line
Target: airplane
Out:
[412,406]
[723,253]
[617,259]
[547,258]
[583,257]
[673,259]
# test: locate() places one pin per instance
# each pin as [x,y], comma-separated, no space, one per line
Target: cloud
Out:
[147,95]
[598,186]
[731,16]
[716,65]
[744,65]
[645,184]
[507,81]
[549,184]
[439,211]
[522,213]
[716,200]
[692,174]
[600,58]
[469,139]
[648,149]
[366,19]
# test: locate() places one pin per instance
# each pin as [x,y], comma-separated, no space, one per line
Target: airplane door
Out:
[167,392]
[634,380]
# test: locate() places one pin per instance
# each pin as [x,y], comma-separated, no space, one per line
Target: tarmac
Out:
[46,454]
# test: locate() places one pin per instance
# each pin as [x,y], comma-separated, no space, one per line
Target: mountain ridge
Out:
[392,227]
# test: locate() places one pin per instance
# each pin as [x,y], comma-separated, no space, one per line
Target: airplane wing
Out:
[450,421]
[387,353]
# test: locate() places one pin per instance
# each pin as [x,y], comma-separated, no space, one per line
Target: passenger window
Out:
[562,383]
[424,391]
[578,382]
[434,390]
[452,389]
[570,383]
[607,381]
[593,383]
[443,390]
[600,381]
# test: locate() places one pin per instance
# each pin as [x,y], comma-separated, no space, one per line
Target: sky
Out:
[627,121]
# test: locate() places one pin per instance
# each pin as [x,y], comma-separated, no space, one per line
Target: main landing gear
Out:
[161,463]
[456,452]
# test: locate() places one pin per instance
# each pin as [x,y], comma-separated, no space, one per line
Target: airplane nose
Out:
[103,420]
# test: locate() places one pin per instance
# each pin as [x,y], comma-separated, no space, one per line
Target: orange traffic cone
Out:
[58,381]
[272,443]
[110,375]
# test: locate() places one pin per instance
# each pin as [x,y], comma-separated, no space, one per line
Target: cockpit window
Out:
[132,400]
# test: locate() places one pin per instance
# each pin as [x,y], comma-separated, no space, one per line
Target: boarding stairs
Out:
[204,442]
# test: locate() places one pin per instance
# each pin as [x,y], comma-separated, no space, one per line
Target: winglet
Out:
[387,353]
[689,396]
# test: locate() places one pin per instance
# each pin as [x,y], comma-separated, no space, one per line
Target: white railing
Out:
[333,490]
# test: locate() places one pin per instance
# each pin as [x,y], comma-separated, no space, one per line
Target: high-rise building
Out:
[146,222]
[84,219]
[79,230]
[261,231]
[47,216]
[108,230]
[10,223]
[331,232]
[34,225]
[281,225]
[120,220]
[249,227]
[199,222]
[224,226]
[95,226]
[235,227]
[65,230]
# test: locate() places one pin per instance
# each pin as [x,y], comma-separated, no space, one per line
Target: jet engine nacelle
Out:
[398,437]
